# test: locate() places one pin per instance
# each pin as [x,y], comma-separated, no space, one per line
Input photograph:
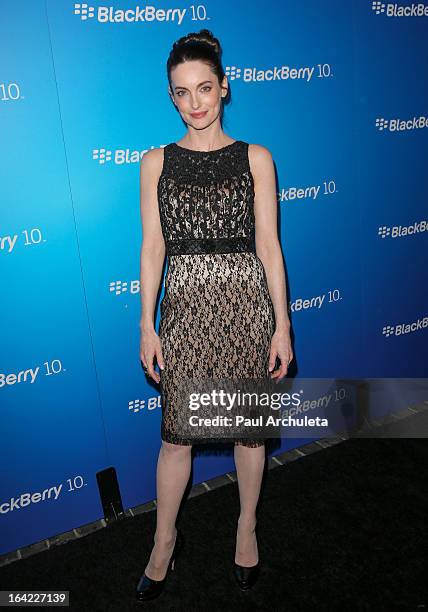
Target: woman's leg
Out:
[172,476]
[249,464]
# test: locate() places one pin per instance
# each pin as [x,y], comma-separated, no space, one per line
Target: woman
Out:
[209,203]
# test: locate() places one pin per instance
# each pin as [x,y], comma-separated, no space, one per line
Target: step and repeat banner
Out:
[336,90]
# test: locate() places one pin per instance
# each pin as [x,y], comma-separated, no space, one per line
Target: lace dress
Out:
[217,317]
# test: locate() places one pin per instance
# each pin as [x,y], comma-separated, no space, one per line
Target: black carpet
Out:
[340,529]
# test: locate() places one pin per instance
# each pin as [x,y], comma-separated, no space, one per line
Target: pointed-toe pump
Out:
[147,588]
[246,576]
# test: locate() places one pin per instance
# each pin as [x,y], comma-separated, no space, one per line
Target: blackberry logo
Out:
[252,74]
[136,405]
[384,231]
[405,328]
[152,403]
[382,124]
[401,231]
[378,7]
[233,72]
[118,287]
[31,497]
[393,9]
[387,331]
[119,156]
[102,155]
[85,11]
[137,14]
[402,125]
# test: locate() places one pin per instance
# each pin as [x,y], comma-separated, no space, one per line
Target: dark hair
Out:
[203,46]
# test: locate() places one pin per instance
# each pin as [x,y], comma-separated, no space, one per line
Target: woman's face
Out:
[196,93]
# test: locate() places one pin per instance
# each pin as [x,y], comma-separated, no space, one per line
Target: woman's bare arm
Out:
[153,244]
[269,251]
[267,243]
[152,257]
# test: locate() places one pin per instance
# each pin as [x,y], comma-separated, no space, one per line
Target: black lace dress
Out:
[217,317]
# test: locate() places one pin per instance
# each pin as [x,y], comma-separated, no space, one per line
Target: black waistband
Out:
[200,246]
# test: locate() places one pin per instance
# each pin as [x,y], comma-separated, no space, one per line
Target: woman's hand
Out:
[281,348]
[150,347]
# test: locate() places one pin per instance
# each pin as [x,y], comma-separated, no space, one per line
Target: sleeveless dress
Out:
[217,317]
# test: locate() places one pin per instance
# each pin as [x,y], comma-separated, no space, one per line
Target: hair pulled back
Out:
[203,46]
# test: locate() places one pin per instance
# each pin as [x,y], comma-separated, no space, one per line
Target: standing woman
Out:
[209,203]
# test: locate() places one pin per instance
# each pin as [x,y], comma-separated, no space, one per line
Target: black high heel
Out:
[147,588]
[246,576]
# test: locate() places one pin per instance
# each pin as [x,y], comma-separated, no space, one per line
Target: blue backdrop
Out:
[336,90]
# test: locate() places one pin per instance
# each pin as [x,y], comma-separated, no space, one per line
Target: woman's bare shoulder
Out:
[152,161]
[258,151]
[260,158]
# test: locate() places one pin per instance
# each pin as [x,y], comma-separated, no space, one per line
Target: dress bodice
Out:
[206,194]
